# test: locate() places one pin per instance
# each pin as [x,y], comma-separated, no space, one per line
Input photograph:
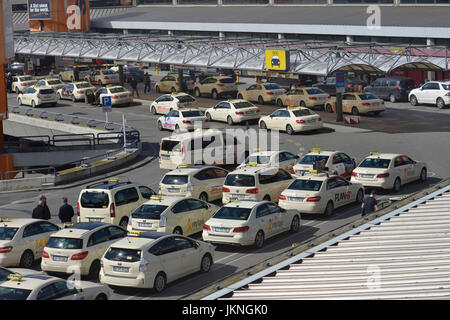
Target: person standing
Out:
[133,84]
[147,82]
[370,204]
[65,212]
[41,211]
[9,82]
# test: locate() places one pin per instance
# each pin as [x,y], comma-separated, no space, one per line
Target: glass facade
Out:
[214,2]
[301,1]
[246,2]
[362,1]
[425,1]
[154,2]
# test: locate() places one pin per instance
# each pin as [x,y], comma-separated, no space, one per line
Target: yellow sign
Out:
[277,59]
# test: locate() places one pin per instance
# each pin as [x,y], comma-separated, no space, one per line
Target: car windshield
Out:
[13,293]
[310,159]
[375,163]
[83,85]
[125,255]
[314,91]
[46,91]
[149,211]
[240,180]
[93,199]
[185,99]
[233,213]
[258,159]
[117,90]
[175,180]
[192,113]
[303,112]
[64,243]
[28,78]
[226,80]
[133,69]
[7,233]
[367,96]
[242,105]
[171,145]
[272,86]
[51,82]
[305,185]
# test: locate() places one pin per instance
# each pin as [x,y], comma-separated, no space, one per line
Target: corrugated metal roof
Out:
[405,257]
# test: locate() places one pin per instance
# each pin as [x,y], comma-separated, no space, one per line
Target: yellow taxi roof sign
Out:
[5,219]
[252,164]
[69,224]
[114,180]
[316,150]
[156,197]
[15,277]
[133,234]
[183,166]
[313,171]
[291,107]
[372,153]
[257,150]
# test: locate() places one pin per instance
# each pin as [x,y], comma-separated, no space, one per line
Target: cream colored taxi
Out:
[361,103]
[75,91]
[44,287]
[292,120]
[216,86]
[201,182]
[103,77]
[20,83]
[22,240]
[320,193]
[152,260]
[249,223]
[304,97]
[262,92]
[283,159]
[333,162]
[79,248]
[233,111]
[171,83]
[178,215]
[37,96]
[255,183]
[183,120]
[168,102]
[389,171]
[55,84]
[118,94]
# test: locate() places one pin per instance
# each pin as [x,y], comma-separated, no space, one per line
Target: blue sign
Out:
[39,10]
[107,104]
[340,79]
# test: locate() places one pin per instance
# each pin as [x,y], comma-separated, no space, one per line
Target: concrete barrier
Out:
[26,183]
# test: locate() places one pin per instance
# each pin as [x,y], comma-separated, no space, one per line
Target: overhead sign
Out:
[106,104]
[6,32]
[277,60]
[39,10]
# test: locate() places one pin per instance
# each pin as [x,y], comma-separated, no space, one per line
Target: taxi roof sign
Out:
[133,234]
[15,277]
[252,164]
[372,153]
[156,197]
[4,219]
[114,180]
[316,150]
[183,166]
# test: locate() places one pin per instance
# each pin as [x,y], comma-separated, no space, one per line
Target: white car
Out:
[20,83]
[22,240]
[171,215]
[44,287]
[56,84]
[283,159]
[118,94]
[5,272]
[168,102]
[249,223]
[183,120]
[79,248]
[320,193]
[152,260]
[389,171]
[433,92]
[75,91]
[37,96]
[334,162]
[292,120]
[233,111]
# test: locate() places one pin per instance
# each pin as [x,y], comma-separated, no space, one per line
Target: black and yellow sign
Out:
[277,60]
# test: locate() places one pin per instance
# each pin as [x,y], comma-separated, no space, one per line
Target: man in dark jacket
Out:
[42,211]
[147,82]
[133,84]
[65,212]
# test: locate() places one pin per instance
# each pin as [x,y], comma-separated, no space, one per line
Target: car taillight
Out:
[252,191]
[354,174]
[182,151]
[329,97]
[283,197]
[239,113]
[312,98]
[241,229]
[447,94]
[258,111]
[115,97]
[350,86]
[225,189]
[79,91]
[300,121]
[79,256]
[269,93]
[130,221]
[320,119]
[365,104]
[177,83]
[112,211]
[22,84]
[383,175]
[220,85]
[45,254]
[207,120]
[313,199]
[130,94]
[6,249]
[382,102]
[78,209]
[106,78]
[186,121]
[38,95]
[206,227]
[398,88]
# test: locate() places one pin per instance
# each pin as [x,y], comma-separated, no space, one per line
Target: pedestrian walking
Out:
[147,82]
[370,204]
[65,212]
[133,84]
[9,82]
[42,211]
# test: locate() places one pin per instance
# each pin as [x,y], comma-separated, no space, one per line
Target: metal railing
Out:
[44,170]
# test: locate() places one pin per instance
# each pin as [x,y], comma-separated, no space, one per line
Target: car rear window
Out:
[303,112]
[175,180]
[13,293]
[242,105]
[149,211]
[108,72]
[314,91]
[84,69]
[367,96]
[133,69]
[83,85]
[92,199]
[193,113]
[226,80]
[310,159]
[7,233]
[305,185]
[258,159]
[171,145]
[375,163]
[184,99]
[117,90]
[272,86]
[64,243]
[446,87]
[46,91]
[240,180]
[233,213]
[125,255]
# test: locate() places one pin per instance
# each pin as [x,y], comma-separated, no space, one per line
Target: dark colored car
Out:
[392,88]
[329,85]
[15,68]
[134,71]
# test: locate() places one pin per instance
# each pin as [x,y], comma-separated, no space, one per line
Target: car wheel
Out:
[73,98]
[355,111]
[154,110]
[230,120]
[206,263]
[360,196]
[197,92]
[160,282]
[392,98]
[203,196]
[157,89]
[329,209]
[94,271]
[302,104]
[413,100]
[266,198]
[124,223]
[423,175]
[214,94]
[239,96]
[329,108]
[259,239]
[177,230]
[440,103]
[295,224]
[160,126]
[27,260]
[19,101]
[262,125]
[33,104]
[280,103]
[289,130]
[260,100]
[208,116]
[101,297]
[397,185]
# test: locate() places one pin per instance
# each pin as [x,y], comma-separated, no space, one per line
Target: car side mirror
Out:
[196,245]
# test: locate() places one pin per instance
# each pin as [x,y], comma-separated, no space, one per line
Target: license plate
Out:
[375,104]
[144,225]
[296,199]
[249,112]
[59,258]
[165,157]
[237,196]
[311,120]
[173,190]
[366,175]
[322,98]
[218,229]
[120,269]
[95,220]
